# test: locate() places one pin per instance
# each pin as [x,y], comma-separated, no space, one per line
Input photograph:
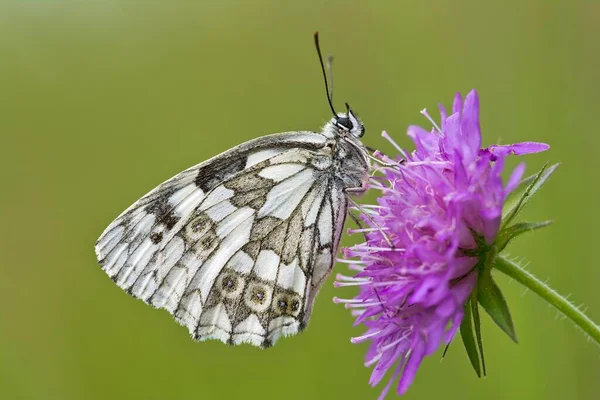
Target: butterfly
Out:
[237,247]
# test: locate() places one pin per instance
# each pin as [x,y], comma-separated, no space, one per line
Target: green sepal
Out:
[493,302]
[540,179]
[511,232]
[446,350]
[477,326]
[468,339]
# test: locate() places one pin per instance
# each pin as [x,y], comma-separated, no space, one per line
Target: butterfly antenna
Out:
[324,74]
[330,70]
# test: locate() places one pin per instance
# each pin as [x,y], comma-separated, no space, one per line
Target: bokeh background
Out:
[102,100]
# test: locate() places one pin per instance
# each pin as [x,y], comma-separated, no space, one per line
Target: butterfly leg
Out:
[367,216]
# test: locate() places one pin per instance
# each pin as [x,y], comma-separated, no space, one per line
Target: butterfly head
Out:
[349,123]
[346,124]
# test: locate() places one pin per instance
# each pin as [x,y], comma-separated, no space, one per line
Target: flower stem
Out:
[519,274]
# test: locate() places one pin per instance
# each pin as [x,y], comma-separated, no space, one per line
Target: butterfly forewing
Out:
[237,247]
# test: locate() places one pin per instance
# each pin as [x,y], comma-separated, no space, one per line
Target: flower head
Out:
[440,209]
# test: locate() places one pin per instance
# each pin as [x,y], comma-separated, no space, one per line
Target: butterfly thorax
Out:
[350,161]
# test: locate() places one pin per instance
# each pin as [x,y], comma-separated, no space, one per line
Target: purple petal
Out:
[490,229]
[434,338]
[426,142]
[470,129]
[462,265]
[457,105]
[463,288]
[391,381]
[452,135]
[443,114]
[445,308]
[461,177]
[376,376]
[518,148]
[456,321]
[514,179]
[411,368]
[431,291]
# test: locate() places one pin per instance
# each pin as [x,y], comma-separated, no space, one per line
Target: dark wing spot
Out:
[213,174]
[156,237]
[163,211]
[295,305]
[248,182]
[264,226]
[258,294]
[286,303]
[275,239]
[229,283]
[282,304]
[255,198]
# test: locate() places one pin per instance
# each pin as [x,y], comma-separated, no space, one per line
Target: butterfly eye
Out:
[345,123]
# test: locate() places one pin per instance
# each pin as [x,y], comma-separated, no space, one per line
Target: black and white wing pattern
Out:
[237,247]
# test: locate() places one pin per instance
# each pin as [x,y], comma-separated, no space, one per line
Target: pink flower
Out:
[438,214]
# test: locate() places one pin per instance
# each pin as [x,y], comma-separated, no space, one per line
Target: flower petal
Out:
[408,374]
[426,142]
[456,321]
[471,134]
[443,114]
[452,136]
[518,148]
[457,105]
[514,179]
[391,381]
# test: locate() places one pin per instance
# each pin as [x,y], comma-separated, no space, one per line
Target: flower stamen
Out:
[358,339]
[385,135]
[435,125]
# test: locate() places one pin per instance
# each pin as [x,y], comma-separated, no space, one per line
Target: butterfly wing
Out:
[237,247]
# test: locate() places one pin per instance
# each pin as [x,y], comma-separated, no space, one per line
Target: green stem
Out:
[550,295]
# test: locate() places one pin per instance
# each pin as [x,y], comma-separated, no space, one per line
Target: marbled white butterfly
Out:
[237,247]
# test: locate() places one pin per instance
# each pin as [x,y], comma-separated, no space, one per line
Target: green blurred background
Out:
[102,100]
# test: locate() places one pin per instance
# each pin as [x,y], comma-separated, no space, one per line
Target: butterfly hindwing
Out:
[236,247]
[267,287]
